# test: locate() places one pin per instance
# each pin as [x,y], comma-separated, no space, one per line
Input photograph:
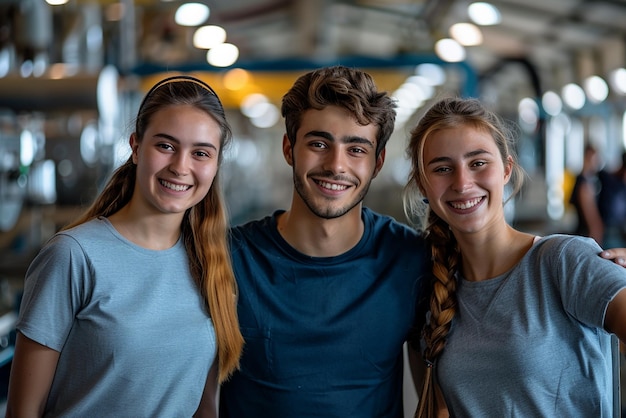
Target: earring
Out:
[425,200]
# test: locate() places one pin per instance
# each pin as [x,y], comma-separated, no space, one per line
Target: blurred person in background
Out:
[585,196]
[612,205]
[130,311]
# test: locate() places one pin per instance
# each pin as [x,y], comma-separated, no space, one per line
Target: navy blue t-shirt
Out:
[324,335]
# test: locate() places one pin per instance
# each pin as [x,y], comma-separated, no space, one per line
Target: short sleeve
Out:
[54,290]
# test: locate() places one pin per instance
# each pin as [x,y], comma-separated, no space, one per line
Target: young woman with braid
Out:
[131,310]
[519,324]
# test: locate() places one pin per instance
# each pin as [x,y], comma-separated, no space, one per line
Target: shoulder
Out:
[87,232]
[570,247]
[93,237]
[96,225]
[564,243]
[254,231]
[390,235]
[386,224]
[255,226]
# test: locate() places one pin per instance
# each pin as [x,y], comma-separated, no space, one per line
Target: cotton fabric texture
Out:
[134,342]
[530,343]
[324,335]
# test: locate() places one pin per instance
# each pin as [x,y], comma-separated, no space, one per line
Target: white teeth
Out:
[466,205]
[175,187]
[332,186]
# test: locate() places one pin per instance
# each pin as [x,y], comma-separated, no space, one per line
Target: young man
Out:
[328,290]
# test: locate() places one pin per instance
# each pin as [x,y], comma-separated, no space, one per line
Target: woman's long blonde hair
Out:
[445,114]
[204,226]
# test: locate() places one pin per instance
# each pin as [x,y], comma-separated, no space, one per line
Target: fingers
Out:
[618,255]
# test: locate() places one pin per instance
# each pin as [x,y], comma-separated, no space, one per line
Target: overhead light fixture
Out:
[434,73]
[596,89]
[251,105]
[466,34]
[449,50]
[236,79]
[223,55]
[618,80]
[573,96]
[268,116]
[192,14]
[207,37]
[551,103]
[528,113]
[484,14]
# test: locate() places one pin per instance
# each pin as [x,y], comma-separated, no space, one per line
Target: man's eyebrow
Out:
[350,139]
[195,144]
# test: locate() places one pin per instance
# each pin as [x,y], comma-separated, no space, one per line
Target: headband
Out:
[177,79]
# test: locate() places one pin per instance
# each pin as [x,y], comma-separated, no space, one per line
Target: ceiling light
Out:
[192,14]
[222,55]
[435,75]
[573,96]
[528,112]
[484,14]
[449,50]
[466,34]
[596,88]
[207,37]
[236,79]
[426,87]
[268,116]
[618,80]
[250,104]
[551,103]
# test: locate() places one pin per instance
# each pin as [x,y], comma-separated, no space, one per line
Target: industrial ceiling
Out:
[559,40]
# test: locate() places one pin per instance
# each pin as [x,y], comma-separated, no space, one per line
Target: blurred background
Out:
[72,74]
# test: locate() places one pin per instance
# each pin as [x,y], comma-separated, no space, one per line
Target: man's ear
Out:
[380,160]
[287,150]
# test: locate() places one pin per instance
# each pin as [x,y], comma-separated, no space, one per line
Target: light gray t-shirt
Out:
[531,343]
[130,324]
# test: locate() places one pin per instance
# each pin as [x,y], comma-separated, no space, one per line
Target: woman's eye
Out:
[202,154]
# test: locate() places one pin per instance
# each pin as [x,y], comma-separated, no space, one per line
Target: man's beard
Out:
[328,211]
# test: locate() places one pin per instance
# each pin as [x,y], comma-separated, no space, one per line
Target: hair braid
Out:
[443,303]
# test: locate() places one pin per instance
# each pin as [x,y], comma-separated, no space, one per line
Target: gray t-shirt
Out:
[130,324]
[531,343]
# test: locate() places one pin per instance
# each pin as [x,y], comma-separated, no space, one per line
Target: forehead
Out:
[459,140]
[337,121]
[179,113]
[185,123]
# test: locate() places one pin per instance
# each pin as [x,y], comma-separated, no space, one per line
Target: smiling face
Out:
[177,159]
[465,178]
[333,161]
